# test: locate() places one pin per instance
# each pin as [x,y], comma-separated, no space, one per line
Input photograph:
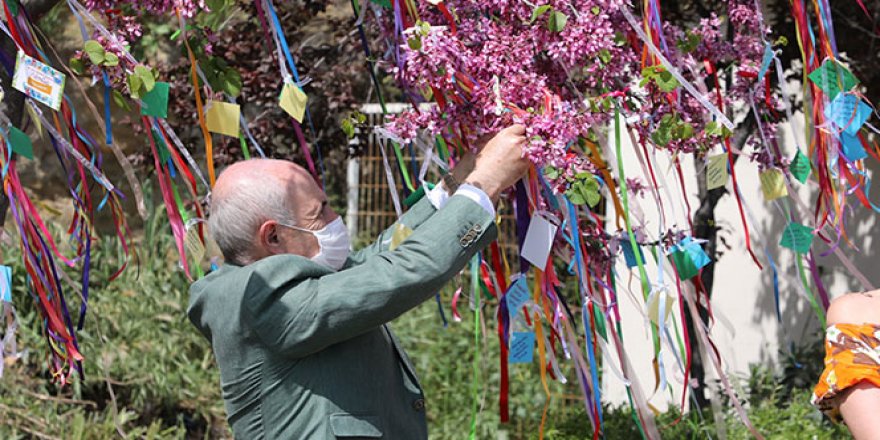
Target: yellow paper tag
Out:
[773,185]
[293,101]
[716,173]
[223,118]
[654,307]
[400,234]
[195,249]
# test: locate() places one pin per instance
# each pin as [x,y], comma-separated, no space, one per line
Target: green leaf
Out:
[596,10]
[551,173]
[78,66]
[111,60]
[538,12]
[135,85]
[348,128]
[146,77]
[557,21]
[605,56]
[575,197]
[95,52]
[666,82]
[231,83]
[414,43]
[120,100]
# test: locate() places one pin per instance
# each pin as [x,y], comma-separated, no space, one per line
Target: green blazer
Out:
[304,351]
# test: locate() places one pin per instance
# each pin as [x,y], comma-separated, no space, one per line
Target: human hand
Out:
[500,163]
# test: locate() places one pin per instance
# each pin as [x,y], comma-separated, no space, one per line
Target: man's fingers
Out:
[515,130]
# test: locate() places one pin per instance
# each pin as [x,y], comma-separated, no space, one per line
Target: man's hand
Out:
[500,164]
[465,164]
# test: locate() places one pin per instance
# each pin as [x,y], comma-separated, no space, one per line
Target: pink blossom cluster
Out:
[503,61]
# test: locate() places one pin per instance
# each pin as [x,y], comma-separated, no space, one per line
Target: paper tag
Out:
[800,167]
[654,306]
[773,185]
[6,283]
[399,235]
[797,237]
[522,347]
[848,112]
[689,257]
[539,240]
[629,255]
[21,143]
[195,249]
[155,102]
[223,118]
[716,172]
[38,81]
[852,148]
[830,76]
[293,100]
[517,295]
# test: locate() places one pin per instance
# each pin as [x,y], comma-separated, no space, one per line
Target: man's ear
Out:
[268,237]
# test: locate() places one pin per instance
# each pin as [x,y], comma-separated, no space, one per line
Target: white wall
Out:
[746,330]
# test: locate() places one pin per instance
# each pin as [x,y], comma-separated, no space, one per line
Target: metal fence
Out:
[370,204]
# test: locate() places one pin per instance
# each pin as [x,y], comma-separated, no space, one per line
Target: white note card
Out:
[539,240]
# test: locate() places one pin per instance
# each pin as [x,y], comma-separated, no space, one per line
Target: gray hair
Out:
[236,216]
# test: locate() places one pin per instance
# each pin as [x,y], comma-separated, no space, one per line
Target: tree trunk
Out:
[705,228]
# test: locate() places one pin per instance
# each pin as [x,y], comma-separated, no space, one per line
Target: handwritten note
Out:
[716,172]
[848,112]
[797,237]
[21,143]
[38,81]
[830,76]
[629,255]
[293,100]
[522,347]
[517,295]
[399,235]
[6,283]
[852,147]
[800,167]
[155,102]
[223,118]
[539,240]
[773,185]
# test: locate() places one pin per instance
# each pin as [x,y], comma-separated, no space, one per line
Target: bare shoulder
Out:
[855,308]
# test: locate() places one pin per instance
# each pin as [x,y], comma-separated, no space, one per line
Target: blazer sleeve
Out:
[299,317]
[412,218]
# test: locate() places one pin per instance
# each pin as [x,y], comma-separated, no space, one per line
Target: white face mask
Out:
[334,241]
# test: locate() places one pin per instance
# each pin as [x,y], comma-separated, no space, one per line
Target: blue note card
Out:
[852,148]
[522,347]
[6,283]
[848,112]
[629,255]
[517,295]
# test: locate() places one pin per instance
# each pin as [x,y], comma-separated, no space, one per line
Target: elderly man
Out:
[298,326]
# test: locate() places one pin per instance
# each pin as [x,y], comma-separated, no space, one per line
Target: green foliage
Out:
[137,342]
[659,76]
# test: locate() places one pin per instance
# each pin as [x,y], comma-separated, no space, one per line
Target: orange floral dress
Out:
[852,355]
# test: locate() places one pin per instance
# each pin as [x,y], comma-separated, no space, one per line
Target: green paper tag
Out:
[155,102]
[830,76]
[797,237]
[684,265]
[383,3]
[21,143]
[800,167]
